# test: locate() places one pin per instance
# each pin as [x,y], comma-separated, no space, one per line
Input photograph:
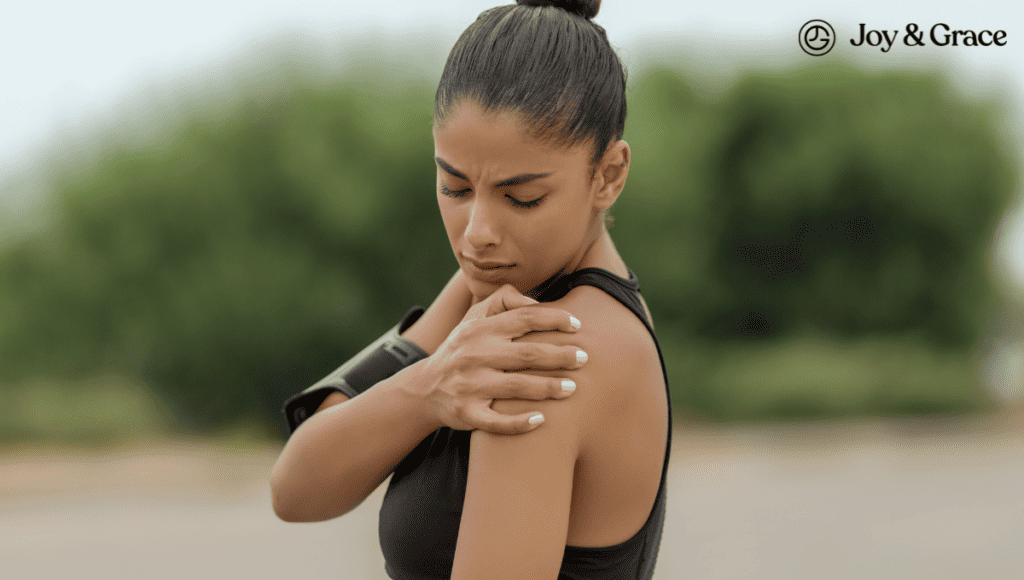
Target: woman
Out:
[528,122]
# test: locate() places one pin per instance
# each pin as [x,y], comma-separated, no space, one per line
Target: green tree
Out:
[828,201]
[251,247]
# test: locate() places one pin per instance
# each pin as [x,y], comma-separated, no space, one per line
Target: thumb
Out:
[507,298]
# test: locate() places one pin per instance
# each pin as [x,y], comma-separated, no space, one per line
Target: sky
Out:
[68,64]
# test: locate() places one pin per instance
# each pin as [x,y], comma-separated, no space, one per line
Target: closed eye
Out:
[512,200]
[450,193]
[531,203]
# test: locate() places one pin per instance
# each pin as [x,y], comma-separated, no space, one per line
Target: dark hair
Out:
[547,61]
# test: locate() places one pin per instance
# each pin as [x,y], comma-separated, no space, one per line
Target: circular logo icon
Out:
[817,37]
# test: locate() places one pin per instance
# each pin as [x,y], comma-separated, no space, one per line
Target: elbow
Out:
[293,507]
[283,514]
[288,509]
[304,514]
[279,498]
[281,508]
[286,498]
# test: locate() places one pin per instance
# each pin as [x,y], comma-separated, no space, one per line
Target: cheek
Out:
[450,217]
[556,235]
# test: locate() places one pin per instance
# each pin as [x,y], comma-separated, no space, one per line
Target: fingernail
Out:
[536,419]
[581,357]
[574,322]
[568,386]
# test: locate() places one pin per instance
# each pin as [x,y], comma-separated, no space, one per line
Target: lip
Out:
[486,270]
[483,265]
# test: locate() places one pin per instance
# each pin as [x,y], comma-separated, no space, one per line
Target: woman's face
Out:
[517,211]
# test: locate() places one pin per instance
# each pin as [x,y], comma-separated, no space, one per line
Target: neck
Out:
[600,252]
[597,252]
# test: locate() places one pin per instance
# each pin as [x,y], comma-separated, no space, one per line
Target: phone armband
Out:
[381,359]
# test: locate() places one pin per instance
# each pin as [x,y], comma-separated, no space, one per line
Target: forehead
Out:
[468,119]
[470,133]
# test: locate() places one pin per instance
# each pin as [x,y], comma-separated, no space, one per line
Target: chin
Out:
[485,286]
[482,289]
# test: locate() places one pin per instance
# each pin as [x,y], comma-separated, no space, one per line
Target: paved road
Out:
[852,500]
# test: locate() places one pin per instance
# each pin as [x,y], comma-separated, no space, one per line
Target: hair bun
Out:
[585,8]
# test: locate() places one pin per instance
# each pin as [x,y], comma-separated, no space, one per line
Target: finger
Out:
[507,298]
[518,356]
[519,385]
[527,319]
[489,420]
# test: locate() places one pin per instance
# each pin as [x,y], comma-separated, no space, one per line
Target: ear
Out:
[610,174]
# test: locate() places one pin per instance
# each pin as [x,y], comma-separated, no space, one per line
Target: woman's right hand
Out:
[478,361]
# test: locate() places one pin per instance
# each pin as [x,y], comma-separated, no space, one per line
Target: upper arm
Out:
[335,398]
[515,517]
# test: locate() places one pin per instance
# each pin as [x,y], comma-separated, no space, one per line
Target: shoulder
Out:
[610,333]
[616,342]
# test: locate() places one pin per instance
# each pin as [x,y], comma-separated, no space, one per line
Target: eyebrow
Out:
[517,180]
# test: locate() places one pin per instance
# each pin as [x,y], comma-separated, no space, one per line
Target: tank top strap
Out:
[626,291]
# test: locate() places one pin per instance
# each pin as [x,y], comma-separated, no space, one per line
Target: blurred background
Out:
[197,198]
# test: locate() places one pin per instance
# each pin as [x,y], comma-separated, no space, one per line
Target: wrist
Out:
[446,312]
[413,386]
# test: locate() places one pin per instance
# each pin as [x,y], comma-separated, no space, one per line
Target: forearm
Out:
[443,315]
[430,330]
[338,456]
[329,466]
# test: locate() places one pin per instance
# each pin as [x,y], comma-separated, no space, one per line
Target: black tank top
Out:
[422,509]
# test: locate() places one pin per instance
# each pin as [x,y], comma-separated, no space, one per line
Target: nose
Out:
[482,230]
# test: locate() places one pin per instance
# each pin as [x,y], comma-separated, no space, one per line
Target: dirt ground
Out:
[914,499]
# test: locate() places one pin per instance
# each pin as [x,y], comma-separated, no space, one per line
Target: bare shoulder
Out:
[617,344]
[610,333]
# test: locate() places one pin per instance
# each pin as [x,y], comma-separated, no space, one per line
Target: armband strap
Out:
[381,359]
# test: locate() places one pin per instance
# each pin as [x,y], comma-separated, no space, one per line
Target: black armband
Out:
[383,358]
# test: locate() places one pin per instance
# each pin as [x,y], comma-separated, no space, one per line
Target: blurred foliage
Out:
[98,412]
[828,203]
[814,243]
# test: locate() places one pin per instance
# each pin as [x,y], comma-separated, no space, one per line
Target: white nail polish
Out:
[574,322]
[581,357]
[536,419]
[568,386]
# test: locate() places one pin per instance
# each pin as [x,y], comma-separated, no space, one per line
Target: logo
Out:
[940,34]
[817,37]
